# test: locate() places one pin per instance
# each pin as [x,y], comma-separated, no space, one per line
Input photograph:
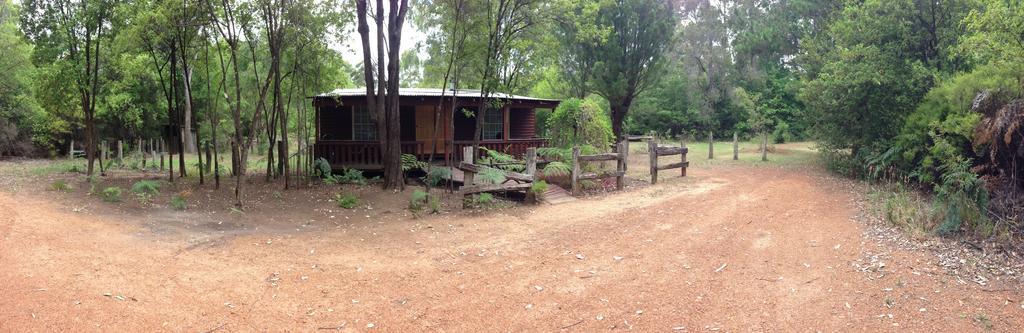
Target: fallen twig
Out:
[215,328]
[574,324]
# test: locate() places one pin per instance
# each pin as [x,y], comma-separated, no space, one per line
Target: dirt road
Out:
[730,248]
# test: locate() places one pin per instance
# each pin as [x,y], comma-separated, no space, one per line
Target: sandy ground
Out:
[729,248]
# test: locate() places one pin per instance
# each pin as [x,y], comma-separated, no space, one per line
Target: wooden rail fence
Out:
[655,151]
[519,181]
[622,149]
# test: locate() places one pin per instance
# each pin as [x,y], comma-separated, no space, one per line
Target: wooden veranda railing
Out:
[366,155]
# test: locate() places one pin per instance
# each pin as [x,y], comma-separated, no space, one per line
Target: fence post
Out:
[711,145]
[161,149]
[71,150]
[120,152]
[467,157]
[682,144]
[735,146]
[764,147]
[575,170]
[652,148]
[621,167]
[531,162]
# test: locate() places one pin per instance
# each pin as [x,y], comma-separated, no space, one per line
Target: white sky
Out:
[351,48]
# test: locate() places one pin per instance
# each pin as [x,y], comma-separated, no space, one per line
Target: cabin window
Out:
[494,125]
[363,127]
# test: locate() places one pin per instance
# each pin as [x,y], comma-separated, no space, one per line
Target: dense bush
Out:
[111,194]
[579,122]
[941,128]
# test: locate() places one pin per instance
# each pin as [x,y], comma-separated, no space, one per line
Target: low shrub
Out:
[352,176]
[437,176]
[111,194]
[178,202]
[536,191]
[482,200]
[903,208]
[962,200]
[418,200]
[145,190]
[347,201]
[60,185]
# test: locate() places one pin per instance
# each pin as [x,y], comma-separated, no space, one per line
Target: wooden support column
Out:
[468,177]
[576,170]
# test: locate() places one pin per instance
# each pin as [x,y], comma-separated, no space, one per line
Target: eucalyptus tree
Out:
[382,100]
[226,18]
[73,32]
[506,25]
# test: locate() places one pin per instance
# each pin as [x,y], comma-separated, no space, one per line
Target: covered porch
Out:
[366,155]
[430,125]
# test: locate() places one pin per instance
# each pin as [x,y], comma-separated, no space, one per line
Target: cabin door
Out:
[425,130]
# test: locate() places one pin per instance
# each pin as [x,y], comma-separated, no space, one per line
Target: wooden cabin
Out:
[346,135]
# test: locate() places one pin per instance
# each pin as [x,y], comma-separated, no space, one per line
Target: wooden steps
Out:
[556,195]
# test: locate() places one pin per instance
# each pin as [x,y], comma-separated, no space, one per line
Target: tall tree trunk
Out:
[393,170]
[618,119]
[187,136]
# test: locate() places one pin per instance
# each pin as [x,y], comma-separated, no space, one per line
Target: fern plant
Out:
[436,176]
[557,169]
[352,176]
[961,198]
[411,162]
[503,161]
[491,176]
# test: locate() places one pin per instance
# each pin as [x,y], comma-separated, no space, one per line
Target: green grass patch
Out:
[347,200]
[111,194]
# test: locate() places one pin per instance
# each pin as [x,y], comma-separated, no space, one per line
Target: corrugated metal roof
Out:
[433,92]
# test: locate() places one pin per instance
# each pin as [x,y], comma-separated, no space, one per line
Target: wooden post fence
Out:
[656,151]
[735,146]
[711,145]
[161,149]
[578,160]
[764,147]
[531,161]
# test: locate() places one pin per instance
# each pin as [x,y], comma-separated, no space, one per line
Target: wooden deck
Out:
[553,196]
[556,195]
